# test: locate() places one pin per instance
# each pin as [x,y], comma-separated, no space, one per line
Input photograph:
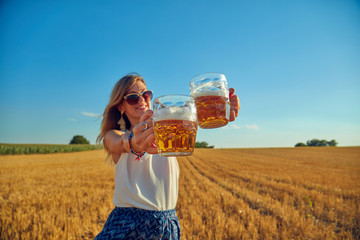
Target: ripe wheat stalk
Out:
[285,193]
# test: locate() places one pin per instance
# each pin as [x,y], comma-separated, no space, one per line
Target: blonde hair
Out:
[112,115]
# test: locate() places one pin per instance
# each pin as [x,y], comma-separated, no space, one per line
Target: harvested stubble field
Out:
[284,193]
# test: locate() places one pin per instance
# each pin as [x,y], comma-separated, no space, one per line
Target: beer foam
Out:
[182,113]
[219,92]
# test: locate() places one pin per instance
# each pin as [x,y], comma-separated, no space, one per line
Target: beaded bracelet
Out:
[138,155]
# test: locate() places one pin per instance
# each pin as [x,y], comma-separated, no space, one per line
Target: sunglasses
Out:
[133,98]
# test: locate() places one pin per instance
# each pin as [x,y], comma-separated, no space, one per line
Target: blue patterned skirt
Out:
[136,223]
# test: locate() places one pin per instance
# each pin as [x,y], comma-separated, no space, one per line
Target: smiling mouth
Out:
[142,107]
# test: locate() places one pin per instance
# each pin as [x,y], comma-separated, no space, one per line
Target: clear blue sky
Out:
[295,65]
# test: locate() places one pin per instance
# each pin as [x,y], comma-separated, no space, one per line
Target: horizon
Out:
[2,143]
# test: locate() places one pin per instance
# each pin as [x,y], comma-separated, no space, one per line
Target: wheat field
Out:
[278,193]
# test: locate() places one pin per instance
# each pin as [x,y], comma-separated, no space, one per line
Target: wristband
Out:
[138,155]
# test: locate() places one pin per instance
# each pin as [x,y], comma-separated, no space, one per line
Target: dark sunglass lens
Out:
[147,95]
[132,99]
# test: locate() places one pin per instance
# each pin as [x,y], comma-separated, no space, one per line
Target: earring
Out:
[122,123]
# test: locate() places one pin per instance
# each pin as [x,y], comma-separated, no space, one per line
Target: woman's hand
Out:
[144,138]
[234,105]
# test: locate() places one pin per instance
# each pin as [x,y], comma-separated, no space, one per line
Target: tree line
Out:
[203,145]
[78,139]
[14,149]
[317,143]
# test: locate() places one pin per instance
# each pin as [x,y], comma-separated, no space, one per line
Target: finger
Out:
[148,131]
[146,115]
[231,92]
[138,129]
[234,108]
[150,144]
[141,134]
[152,150]
[144,123]
[149,122]
[232,116]
[234,102]
[145,142]
[145,126]
[150,138]
[235,111]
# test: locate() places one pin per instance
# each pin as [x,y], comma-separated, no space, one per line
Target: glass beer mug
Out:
[174,125]
[211,94]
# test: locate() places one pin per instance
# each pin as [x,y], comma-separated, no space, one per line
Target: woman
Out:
[146,184]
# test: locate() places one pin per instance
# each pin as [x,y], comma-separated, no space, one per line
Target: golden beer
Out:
[212,111]
[211,94]
[175,137]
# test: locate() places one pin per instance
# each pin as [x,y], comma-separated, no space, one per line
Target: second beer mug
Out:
[211,94]
[174,125]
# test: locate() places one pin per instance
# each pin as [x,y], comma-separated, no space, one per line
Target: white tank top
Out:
[150,184]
